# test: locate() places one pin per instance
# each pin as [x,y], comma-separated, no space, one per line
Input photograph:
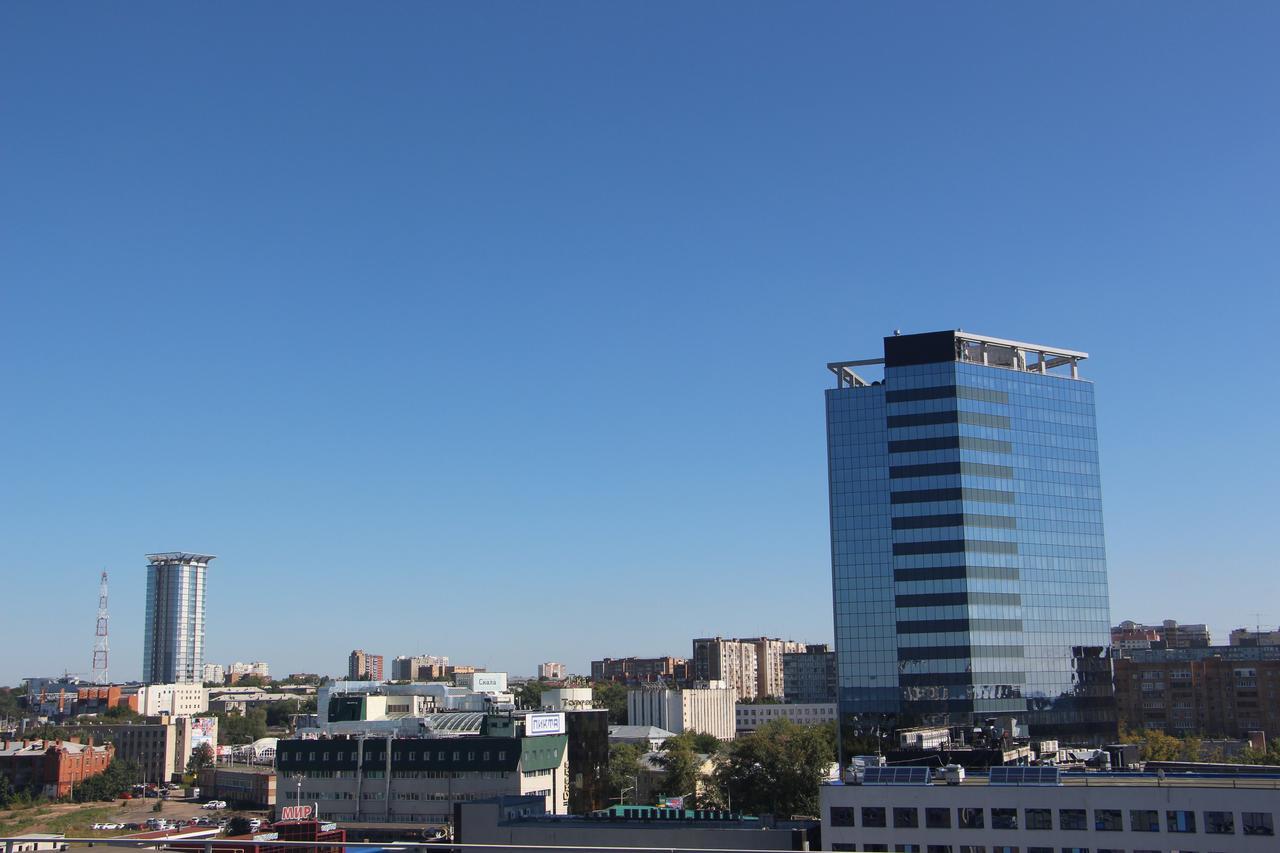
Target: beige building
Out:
[552,671]
[751,717]
[751,667]
[707,710]
[175,700]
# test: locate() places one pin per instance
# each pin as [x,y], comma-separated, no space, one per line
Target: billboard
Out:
[544,724]
[204,730]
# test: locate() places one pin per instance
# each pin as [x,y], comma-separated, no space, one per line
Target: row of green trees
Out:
[777,769]
[1155,745]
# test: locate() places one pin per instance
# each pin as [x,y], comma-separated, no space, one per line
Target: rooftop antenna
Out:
[100,674]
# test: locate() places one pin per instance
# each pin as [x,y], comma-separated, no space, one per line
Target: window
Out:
[1072,819]
[1039,850]
[1108,820]
[1220,823]
[972,848]
[937,819]
[843,845]
[939,848]
[1039,818]
[969,818]
[842,816]
[906,818]
[1179,820]
[1004,818]
[879,848]
[906,848]
[1144,820]
[1075,850]
[873,816]
[1257,823]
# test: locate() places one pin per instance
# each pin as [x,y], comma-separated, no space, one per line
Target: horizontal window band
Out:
[916,496]
[954,546]
[931,679]
[943,599]
[949,417]
[948,573]
[942,469]
[950,442]
[960,519]
[958,652]
[916,445]
[942,626]
[946,392]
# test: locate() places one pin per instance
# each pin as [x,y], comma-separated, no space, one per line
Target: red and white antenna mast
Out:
[100,675]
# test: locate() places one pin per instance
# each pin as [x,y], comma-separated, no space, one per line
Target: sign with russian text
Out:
[544,724]
[295,813]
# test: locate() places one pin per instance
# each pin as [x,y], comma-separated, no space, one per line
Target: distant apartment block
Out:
[362,666]
[419,668]
[809,676]
[1169,634]
[752,666]
[1218,691]
[750,716]
[708,710]
[213,673]
[238,670]
[173,637]
[552,671]
[1259,637]
[634,670]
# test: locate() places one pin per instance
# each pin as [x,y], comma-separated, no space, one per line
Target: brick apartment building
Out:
[640,670]
[1218,691]
[54,768]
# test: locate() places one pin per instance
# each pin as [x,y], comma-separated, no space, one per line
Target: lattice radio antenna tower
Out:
[100,675]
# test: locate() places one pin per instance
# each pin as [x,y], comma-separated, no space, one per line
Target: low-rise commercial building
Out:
[242,785]
[418,780]
[650,737]
[1039,810]
[568,699]
[152,744]
[418,668]
[709,710]
[513,821]
[750,716]
[52,768]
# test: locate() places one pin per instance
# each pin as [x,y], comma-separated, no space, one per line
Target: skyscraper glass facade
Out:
[173,642]
[968,564]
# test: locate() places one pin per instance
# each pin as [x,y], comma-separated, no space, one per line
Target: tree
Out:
[235,728]
[201,757]
[1252,755]
[613,696]
[681,769]
[623,772]
[238,826]
[698,742]
[120,713]
[529,694]
[776,769]
[119,776]
[10,703]
[278,713]
[1156,745]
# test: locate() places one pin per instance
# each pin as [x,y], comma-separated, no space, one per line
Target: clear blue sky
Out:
[498,330]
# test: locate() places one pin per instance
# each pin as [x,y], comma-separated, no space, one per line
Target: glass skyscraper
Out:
[173,645]
[969,573]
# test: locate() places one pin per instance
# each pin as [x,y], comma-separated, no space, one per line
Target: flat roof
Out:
[179,557]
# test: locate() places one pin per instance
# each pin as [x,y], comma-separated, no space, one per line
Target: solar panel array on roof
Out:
[1025,776]
[896,776]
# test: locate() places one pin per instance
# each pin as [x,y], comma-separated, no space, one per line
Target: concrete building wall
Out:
[1108,816]
[749,717]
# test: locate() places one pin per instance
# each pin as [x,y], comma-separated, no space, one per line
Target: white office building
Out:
[1039,810]
[750,717]
[702,709]
[175,700]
